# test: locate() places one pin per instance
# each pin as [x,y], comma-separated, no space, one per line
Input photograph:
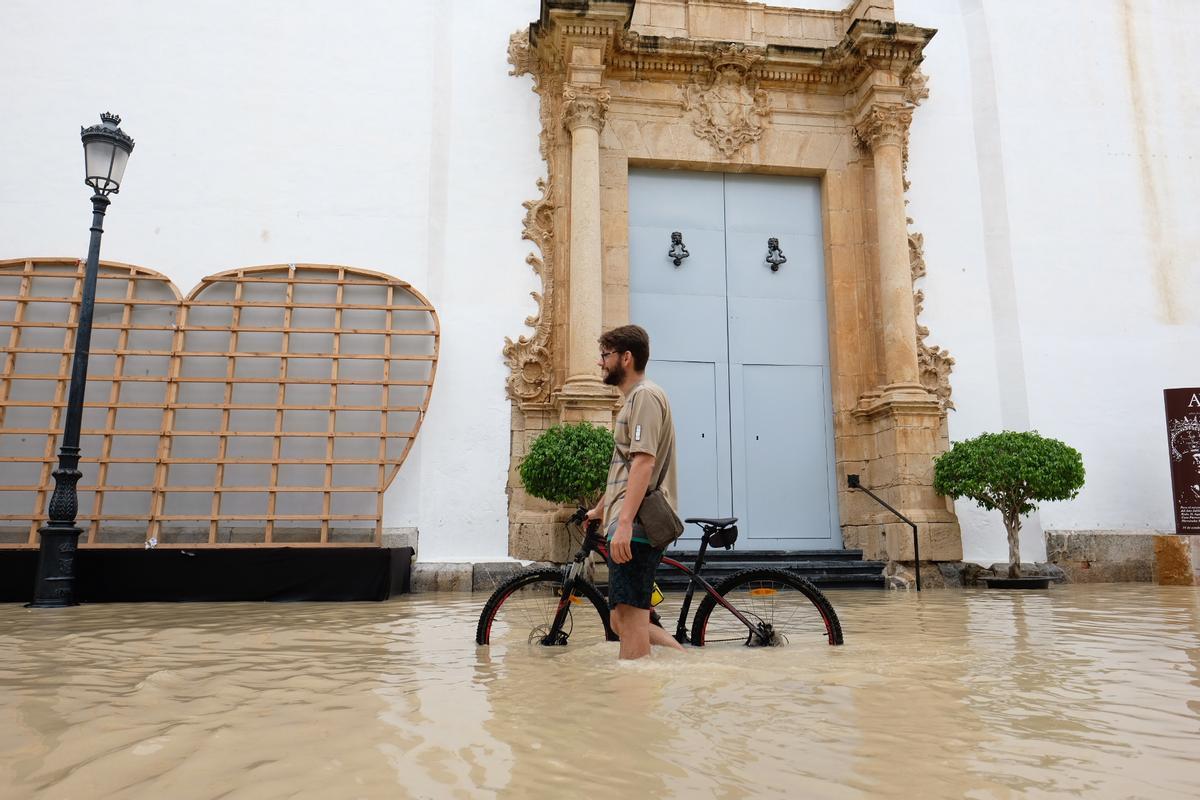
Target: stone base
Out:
[541,536]
[893,541]
[1103,556]
[901,575]
[433,576]
[466,576]
[1177,560]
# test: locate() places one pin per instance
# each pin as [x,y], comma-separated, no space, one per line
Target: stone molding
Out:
[585,107]
[868,45]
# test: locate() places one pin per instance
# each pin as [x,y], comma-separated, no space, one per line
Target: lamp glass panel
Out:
[98,155]
[120,159]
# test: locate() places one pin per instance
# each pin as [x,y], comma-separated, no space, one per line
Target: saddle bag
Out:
[660,522]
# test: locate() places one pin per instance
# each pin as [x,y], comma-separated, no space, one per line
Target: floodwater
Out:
[1081,691]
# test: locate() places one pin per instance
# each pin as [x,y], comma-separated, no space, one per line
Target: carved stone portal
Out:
[752,88]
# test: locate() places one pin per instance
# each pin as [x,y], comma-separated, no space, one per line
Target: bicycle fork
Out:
[555,635]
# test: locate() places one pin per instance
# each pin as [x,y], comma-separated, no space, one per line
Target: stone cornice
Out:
[563,23]
[869,45]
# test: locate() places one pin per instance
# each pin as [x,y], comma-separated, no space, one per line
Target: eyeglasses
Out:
[606,353]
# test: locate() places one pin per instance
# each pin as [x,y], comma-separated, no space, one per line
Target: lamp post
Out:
[106,150]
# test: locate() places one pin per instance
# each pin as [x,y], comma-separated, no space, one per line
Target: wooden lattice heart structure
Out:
[273,405]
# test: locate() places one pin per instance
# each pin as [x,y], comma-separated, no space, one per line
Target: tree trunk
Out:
[1012,524]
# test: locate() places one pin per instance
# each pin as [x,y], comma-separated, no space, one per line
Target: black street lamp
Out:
[106,150]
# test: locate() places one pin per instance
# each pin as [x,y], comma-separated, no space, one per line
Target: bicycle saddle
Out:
[715,522]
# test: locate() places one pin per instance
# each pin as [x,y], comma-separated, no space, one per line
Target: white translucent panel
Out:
[98,158]
[120,159]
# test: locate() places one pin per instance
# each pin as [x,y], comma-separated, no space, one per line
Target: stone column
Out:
[884,129]
[904,417]
[584,112]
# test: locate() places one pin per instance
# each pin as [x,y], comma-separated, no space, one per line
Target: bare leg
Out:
[660,637]
[634,626]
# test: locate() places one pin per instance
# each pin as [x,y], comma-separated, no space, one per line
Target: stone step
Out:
[817,567]
[851,580]
[714,555]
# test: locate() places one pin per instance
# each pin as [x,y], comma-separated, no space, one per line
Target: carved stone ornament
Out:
[585,107]
[934,363]
[916,253]
[916,88]
[529,358]
[520,54]
[884,125]
[729,110]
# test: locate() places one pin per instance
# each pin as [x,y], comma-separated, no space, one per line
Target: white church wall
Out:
[1050,170]
[1083,163]
[279,132]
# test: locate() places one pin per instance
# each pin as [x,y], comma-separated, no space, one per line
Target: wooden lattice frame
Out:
[347,344]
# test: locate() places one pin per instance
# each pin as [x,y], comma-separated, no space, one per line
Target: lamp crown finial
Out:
[109,118]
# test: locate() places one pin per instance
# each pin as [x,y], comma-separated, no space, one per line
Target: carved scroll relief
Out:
[934,363]
[528,357]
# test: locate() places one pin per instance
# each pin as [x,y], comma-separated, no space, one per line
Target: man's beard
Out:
[615,376]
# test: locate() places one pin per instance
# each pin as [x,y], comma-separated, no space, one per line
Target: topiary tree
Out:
[1010,472]
[569,464]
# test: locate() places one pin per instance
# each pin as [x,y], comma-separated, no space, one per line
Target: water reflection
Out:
[1082,691]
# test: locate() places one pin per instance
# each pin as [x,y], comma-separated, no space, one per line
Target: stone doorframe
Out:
[729,86]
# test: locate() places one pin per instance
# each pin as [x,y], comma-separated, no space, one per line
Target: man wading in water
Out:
[644,457]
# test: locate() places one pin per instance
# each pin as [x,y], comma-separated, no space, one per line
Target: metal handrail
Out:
[853,482]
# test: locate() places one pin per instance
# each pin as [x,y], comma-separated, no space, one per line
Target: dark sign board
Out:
[1183,438]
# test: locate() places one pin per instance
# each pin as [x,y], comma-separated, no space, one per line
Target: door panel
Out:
[699,394]
[741,350]
[684,310]
[787,471]
[781,409]
[771,331]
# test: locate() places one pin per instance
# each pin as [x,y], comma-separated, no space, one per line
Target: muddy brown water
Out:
[1083,691]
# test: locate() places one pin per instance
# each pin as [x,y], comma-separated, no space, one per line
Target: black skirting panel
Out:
[280,574]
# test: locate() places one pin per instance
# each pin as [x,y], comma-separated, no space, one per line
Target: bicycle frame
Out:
[593,542]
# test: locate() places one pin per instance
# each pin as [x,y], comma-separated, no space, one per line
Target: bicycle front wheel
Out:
[522,610]
[783,608]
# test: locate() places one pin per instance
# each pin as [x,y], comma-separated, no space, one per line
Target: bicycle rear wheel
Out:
[789,609]
[522,609]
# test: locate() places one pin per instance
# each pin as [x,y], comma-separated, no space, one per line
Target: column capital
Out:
[585,106]
[883,125]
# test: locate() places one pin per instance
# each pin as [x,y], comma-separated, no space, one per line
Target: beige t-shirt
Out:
[644,425]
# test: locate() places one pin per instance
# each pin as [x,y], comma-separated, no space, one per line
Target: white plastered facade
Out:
[1050,174]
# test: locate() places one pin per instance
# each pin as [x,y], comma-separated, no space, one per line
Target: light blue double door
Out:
[741,349]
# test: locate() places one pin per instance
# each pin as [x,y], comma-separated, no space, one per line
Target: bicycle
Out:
[757,607]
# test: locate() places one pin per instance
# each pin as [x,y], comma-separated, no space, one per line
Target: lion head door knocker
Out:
[775,256]
[678,252]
